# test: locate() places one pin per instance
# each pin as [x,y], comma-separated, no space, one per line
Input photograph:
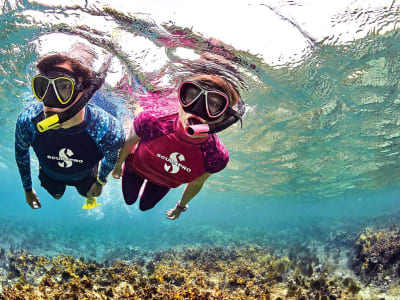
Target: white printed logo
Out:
[173,164]
[65,154]
[64,158]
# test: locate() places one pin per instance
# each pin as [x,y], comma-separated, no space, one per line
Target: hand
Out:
[173,213]
[95,190]
[116,173]
[32,199]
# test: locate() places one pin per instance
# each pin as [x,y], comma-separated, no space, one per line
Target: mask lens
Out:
[188,93]
[216,103]
[40,86]
[65,88]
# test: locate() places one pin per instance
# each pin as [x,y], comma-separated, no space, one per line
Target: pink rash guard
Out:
[166,156]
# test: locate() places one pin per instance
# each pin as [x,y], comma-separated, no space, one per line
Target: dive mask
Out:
[57,87]
[207,104]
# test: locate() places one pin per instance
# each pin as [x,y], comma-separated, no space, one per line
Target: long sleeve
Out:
[110,145]
[24,134]
[109,136]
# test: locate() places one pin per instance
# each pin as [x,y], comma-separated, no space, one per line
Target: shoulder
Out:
[102,118]
[27,116]
[30,112]
[148,126]
[102,124]
[98,114]
[215,153]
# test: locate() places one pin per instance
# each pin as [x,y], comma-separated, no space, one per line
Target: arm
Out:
[22,158]
[145,127]
[24,135]
[131,140]
[110,144]
[191,190]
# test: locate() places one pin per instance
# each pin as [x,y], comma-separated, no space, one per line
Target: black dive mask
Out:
[56,87]
[208,104]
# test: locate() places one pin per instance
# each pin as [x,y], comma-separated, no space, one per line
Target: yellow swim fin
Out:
[90,203]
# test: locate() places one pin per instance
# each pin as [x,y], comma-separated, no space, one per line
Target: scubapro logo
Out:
[65,154]
[64,158]
[173,164]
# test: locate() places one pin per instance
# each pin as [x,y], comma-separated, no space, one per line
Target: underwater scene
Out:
[308,205]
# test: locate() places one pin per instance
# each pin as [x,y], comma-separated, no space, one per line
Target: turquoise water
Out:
[319,149]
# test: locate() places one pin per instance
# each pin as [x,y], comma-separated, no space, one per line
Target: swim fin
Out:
[90,203]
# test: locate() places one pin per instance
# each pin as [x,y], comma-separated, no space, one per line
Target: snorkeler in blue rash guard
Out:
[68,137]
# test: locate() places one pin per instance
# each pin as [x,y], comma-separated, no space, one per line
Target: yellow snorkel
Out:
[48,123]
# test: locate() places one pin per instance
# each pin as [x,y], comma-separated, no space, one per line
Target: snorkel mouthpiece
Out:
[48,123]
[234,116]
[196,130]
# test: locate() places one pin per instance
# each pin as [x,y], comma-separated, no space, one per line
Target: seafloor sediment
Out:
[342,263]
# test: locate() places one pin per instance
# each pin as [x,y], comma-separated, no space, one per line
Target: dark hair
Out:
[46,63]
[221,84]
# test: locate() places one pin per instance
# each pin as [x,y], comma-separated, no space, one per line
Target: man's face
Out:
[49,111]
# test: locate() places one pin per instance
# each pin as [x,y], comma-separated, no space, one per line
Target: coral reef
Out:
[191,273]
[314,261]
[378,256]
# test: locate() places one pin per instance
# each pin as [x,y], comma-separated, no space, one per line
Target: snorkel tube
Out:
[55,120]
[234,116]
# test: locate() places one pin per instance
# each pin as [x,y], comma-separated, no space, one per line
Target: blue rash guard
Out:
[68,154]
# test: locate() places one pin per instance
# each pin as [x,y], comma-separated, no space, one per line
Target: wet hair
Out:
[48,62]
[219,83]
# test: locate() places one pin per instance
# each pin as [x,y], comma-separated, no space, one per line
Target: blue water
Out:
[319,147]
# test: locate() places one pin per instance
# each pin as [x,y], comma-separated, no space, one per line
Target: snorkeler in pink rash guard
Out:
[180,148]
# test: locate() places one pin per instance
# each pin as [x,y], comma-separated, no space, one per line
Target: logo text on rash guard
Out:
[173,164]
[64,158]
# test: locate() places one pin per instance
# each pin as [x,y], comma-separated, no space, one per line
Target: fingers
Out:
[94,191]
[92,194]
[35,204]
[32,199]
[116,173]
[171,214]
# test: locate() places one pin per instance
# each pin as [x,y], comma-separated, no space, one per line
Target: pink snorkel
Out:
[196,130]
[201,129]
